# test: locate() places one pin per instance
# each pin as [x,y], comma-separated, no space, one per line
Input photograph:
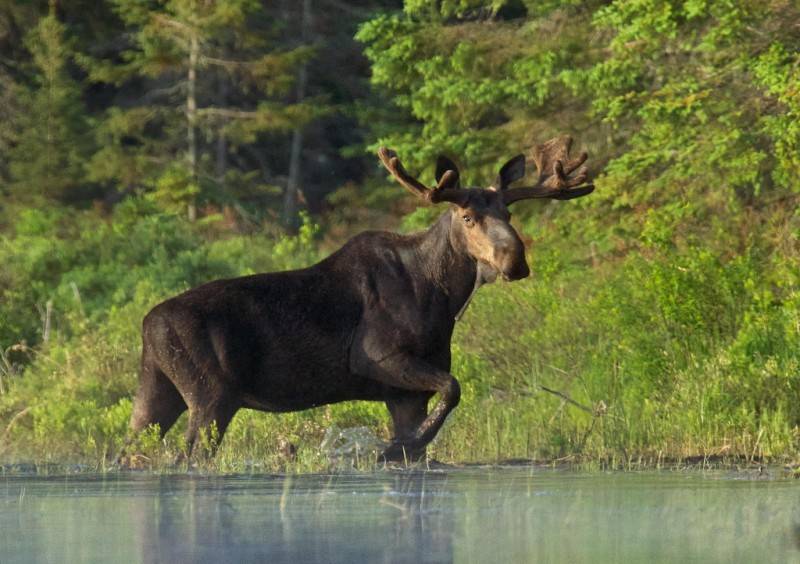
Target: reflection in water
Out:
[290,519]
[456,516]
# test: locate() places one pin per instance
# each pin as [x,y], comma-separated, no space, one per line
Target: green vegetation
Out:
[662,320]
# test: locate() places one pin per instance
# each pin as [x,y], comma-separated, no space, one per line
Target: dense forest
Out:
[149,146]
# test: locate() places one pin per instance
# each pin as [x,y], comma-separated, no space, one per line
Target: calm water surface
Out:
[495,516]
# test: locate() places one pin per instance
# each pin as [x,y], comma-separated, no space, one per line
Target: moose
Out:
[372,321]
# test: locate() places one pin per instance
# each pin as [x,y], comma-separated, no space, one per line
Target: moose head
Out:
[480,223]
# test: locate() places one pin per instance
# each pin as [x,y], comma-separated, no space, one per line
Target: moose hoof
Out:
[399,452]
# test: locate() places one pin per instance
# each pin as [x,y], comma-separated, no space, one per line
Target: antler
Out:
[444,191]
[556,179]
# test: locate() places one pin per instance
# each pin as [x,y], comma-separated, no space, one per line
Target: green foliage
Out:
[420,219]
[188,48]
[663,314]
[692,81]
[669,356]
[648,290]
[478,91]
[776,72]
[449,8]
[52,131]
[101,278]
[175,189]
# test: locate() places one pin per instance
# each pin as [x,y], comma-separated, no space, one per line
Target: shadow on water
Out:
[477,515]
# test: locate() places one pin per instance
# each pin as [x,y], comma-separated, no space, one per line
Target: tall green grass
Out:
[662,353]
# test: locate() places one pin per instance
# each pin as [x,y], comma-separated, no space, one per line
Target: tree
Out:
[692,104]
[699,91]
[52,137]
[211,85]
[475,79]
[291,193]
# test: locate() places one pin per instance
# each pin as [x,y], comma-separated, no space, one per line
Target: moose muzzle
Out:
[509,253]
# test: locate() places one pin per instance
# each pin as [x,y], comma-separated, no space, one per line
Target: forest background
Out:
[148,146]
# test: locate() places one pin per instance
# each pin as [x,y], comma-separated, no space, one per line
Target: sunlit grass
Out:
[652,359]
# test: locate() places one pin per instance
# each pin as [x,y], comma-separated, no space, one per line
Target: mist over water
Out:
[480,515]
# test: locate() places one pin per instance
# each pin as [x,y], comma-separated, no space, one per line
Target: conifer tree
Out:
[51,139]
[213,83]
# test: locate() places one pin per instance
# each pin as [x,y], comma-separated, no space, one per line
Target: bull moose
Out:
[373,321]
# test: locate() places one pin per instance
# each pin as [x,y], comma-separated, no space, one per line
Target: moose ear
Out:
[510,172]
[443,164]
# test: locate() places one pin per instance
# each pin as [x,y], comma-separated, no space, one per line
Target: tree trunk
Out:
[221,165]
[191,118]
[222,159]
[293,183]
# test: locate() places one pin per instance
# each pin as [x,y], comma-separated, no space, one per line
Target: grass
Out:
[663,356]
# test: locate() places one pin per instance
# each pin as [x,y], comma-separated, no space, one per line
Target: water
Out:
[481,515]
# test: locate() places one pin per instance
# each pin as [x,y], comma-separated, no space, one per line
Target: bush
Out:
[671,350]
[101,277]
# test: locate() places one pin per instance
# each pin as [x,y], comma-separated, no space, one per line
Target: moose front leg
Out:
[409,373]
[408,410]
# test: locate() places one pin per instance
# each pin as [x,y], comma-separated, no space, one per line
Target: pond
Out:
[495,515]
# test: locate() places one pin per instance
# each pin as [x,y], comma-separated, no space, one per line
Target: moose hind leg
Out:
[194,354]
[207,424]
[157,402]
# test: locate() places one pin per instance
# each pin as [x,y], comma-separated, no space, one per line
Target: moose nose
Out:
[510,259]
[509,252]
[518,271]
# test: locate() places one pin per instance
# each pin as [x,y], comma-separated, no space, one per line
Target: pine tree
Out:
[213,84]
[52,140]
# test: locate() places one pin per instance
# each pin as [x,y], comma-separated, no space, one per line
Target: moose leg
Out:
[408,410]
[157,402]
[209,420]
[409,373]
[192,361]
